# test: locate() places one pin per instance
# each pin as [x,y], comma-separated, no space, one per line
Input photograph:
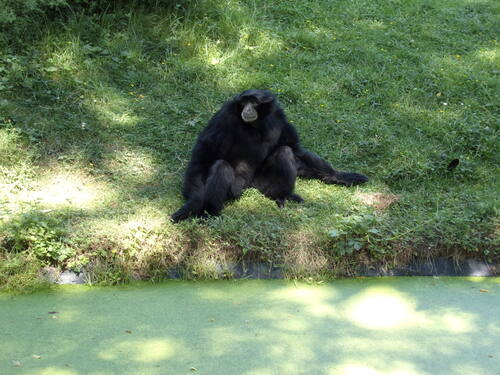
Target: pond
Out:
[362,326]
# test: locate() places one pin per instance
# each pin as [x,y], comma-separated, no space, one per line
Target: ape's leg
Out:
[218,187]
[310,165]
[276,178]
[206,195]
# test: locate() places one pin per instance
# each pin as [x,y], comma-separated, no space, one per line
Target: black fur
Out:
[231,155]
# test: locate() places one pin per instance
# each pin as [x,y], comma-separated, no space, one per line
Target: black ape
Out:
[250,143]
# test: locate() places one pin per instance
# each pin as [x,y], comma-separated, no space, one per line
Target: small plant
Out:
[19,273]
[78,263]
[39,235]
[354,233]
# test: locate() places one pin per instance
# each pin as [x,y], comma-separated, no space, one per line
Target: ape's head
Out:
[254,104]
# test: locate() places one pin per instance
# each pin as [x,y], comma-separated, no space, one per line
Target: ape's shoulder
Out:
[225,116]
[220,128]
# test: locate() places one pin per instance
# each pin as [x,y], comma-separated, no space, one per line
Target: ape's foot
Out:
[292,197]
[346,179]
[185,212]
[280,202]
[181,214]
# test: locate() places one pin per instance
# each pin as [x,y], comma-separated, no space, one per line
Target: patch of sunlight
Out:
[56,371]
[399,368]
[112,107]
[357,370]
[68,57]
[406,106]
[69,316]
[303,294]
[315,300]
[259,44]
[142,224]
[454,321]
[212,53]
[380,308]
[66,189]
[252,201]
[482,279]
[374,24]
[386,308]
[260,371]
[146,219]
[141,350]
[317,191]
[132,164]
[491,55]
[379,201]
[467,369]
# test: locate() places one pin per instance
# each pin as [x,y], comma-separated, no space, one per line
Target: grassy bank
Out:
[100,106]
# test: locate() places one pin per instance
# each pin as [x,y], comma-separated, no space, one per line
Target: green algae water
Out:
[365,326]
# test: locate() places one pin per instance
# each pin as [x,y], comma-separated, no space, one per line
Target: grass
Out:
[99,109]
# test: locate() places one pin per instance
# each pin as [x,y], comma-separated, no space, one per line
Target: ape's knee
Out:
[284,153]
[218,186]
[222,169]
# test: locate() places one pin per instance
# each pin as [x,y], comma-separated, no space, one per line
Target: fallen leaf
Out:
[16,363]
[34,356]
[193,369]
[128,331]
[453,164]
[484,290]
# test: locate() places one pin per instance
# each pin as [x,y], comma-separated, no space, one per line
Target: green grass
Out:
[99,110]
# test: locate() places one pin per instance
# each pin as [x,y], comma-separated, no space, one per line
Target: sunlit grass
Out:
[103,109]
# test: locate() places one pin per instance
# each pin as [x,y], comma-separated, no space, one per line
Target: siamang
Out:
[250,143]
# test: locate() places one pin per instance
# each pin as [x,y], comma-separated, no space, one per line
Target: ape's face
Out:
[254,104]
[249,112]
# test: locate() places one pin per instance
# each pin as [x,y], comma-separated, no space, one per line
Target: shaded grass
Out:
[99,111]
